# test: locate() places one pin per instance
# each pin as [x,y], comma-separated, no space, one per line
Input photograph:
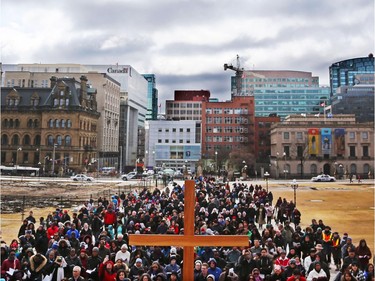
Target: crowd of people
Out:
[92,243]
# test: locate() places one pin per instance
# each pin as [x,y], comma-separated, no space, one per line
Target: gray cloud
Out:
[286,34]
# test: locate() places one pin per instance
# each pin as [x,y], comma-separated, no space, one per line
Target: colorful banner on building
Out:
[339,141]
[326,135]
[314,141]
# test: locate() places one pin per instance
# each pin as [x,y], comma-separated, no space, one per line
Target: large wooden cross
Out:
[188,241]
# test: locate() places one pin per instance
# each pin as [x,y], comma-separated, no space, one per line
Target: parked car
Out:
[128,176]
[81,177]
[323,178]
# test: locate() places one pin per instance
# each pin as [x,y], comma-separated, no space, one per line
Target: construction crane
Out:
[238,78]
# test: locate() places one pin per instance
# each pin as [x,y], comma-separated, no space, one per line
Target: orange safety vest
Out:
[327,238]
[335,242]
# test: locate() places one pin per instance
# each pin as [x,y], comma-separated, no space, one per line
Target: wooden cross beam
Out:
[188,241]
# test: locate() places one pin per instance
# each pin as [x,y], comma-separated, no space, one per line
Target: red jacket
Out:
[104,275]
[15,264]
[110,218]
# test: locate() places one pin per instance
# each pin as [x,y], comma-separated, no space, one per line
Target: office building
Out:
[173,144]
[122,81]
[282,93]
[54,128]
[305,146]
[351,72]
[187,104]
[152,97]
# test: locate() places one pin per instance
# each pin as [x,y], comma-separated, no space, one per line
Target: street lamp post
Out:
[53,158]
[295,186]
[266,177]
[44,166]
[285,170]
[18,149]
[217,166]
[39,165]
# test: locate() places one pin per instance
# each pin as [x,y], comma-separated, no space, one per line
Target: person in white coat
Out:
[316,272]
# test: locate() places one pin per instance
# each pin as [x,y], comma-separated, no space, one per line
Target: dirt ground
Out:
[343,206]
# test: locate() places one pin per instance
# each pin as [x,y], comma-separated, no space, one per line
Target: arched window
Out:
[61,102]
[59,140]
[67,102]
[299,169]
[36,123]
[4,139]
[17,123]
[11,123]
[366,168]
[50,140]
[26,140]
[55,102]
[37,140]
[353,169]
[68,123]
[5,123]
[50,123]
[29,123]
[15,140]
[313,169]
[57,123]
[62,123]
[68,141]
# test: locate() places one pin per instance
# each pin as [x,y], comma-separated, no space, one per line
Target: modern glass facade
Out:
[347,72]
[283,101]
[152,97]
[283,92]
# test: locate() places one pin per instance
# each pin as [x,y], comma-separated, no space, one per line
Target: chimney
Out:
[53,80]
[84,80]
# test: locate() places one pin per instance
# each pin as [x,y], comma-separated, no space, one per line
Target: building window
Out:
[352,151]
[57,123]
[364,135]
[313,169]
[50,140]
[4,139]
[68,123]
[365,151]
[181,130]
[286,135]
[174,130]
[181,141]
[188,130]
[353,169]
[366,168]
[167,130]
[299,136]
[287,151]
[159,130]
[15,140]
[62,123]
[159,140]
[68,141]
[26,140]
[50,123]
[300,151]
[59,140]
[352,135]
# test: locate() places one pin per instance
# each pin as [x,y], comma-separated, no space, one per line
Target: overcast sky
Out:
[185,43]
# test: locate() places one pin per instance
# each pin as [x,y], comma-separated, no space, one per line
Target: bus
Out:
[19,171]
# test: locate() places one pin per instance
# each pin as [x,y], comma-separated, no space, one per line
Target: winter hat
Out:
[138,260]
[212,260]
[173,250]
[55,245]
[210,276]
